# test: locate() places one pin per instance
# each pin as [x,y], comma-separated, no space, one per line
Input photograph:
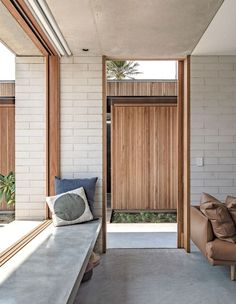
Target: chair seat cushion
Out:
[221,250]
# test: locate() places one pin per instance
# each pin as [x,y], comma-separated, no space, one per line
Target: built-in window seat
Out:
[12,232]
[50,268]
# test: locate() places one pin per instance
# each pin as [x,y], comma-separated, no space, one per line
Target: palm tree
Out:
[122,69]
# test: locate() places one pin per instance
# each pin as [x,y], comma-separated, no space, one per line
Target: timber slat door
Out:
[144,157]
[7,143]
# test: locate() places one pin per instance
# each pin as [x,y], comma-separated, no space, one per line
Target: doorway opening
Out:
[7,134]
[142,154]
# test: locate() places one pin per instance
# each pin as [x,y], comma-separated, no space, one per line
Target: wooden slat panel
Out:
[7,89]
[163,167]
[141,88]
[144,157]
[7,140]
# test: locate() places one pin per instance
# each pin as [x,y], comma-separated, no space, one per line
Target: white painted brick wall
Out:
[213,125]
[81,120]
[30,138]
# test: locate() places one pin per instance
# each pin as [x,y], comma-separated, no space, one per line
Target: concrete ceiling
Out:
[134,29]
[12,35]
[220,37]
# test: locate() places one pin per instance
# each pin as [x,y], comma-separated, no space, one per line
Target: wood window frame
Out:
[104,155]
[21,13]
[52,124]
[183,104]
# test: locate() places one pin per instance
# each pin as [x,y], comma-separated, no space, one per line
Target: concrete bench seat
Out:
[50,268]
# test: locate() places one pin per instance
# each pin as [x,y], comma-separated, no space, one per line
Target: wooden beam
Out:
[7,101]
[186,154]
[180,154]
[53,122]
[104,156]
[139,104]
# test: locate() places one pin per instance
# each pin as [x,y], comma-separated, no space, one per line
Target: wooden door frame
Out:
[180,218]
[22,14]
[186,156]
[183,238]
[52,124]
[183,215]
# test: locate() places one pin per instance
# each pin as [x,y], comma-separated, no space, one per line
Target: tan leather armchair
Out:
[217,252]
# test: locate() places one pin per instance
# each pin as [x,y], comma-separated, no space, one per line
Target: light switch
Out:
[199,161]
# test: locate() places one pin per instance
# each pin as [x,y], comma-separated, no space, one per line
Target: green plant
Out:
[122,69]
[7,188]
[143,217]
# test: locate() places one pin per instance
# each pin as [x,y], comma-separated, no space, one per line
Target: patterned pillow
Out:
[69,208]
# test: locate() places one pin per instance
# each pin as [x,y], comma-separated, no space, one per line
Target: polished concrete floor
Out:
[142,240]
[157,276]
[142,235]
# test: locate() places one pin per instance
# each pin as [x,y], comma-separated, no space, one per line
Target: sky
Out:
[149,69]
[157,69]
[7,64]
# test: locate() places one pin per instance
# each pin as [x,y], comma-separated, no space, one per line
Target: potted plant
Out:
[7,188]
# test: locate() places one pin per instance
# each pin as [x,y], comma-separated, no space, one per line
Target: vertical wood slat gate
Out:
[144,157]
[7,142]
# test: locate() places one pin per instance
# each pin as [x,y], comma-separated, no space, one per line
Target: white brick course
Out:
[81,120]
[213,122]
[30,138]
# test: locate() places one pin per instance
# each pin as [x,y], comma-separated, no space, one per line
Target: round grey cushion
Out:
[69,207]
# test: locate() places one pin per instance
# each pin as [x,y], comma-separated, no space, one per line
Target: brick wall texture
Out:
[81,120]
[213,126]
[30,138]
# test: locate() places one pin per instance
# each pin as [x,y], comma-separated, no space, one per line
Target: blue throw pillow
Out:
[89,184]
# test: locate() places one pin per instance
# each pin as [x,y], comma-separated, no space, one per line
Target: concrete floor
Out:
[157,276]
[142,235]
[142,240]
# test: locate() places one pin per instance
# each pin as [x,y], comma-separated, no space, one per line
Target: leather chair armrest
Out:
[201,229]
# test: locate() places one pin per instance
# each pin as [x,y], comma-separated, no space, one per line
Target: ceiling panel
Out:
[132,28]
[220,37]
